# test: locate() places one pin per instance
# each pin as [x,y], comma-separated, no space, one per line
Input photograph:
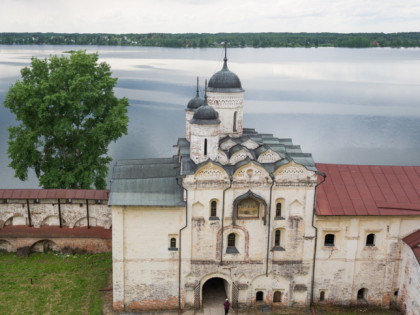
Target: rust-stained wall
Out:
[409,290]
[350,265]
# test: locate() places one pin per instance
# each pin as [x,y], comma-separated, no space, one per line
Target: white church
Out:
[252,216]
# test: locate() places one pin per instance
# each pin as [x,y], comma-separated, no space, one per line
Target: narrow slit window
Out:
[278,209]
[234,120]
[213,208]
[205,146]
[370,240]
[329,240]
[277,238]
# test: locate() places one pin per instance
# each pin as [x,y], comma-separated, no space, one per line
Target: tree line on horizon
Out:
[204,40]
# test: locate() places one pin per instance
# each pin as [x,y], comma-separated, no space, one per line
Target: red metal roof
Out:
[90,194]
[368,190]
[413,240]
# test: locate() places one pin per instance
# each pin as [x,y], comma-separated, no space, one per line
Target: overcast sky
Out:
[196,16]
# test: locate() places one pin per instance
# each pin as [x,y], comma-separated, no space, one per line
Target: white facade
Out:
[239,213]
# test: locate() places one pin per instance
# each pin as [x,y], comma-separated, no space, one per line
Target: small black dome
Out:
[205,115]
[225,81]
[195,103]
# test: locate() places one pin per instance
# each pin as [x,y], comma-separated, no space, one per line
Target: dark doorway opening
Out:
[215,292]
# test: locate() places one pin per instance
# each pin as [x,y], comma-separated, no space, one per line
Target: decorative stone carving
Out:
[251,172]
[240,156]
[294,172]
[211,172]
[269,156]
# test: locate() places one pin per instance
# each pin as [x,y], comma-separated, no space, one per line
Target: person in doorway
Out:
[227,305]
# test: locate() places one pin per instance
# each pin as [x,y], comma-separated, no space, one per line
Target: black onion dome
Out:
[195,102]
[225,81]
[205,115]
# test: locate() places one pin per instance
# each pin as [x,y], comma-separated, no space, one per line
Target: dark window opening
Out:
[205,146]
[277,238]
[370,240]
[234,121]
[231,248]
[231,240]
[213,209]
[278,210]
[173,242]
[329,240]
[277,297]
[322,296]
[396,293]
[361,294]
[259,296]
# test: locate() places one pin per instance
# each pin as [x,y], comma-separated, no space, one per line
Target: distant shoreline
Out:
[205,40]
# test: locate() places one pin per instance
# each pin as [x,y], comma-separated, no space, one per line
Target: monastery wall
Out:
[34,225]
[354,271]
[145,267]
[409,290]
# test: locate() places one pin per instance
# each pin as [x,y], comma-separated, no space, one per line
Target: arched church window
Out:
[278,210]
[213,208]
[205,146]
[277,238]
[322,296]
[173,242]
[248,208]
[234,120]
[231,240]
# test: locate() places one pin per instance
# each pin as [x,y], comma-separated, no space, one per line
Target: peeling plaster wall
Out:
[409,290]
[46,212]
[145,271]
[348,266]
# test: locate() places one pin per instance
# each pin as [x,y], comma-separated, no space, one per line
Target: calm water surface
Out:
[355,106]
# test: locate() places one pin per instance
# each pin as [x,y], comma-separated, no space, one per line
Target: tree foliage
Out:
[68,115]
[356,40]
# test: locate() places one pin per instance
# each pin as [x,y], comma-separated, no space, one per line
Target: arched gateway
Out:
[214,290]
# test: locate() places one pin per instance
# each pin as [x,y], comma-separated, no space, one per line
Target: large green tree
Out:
[68,115]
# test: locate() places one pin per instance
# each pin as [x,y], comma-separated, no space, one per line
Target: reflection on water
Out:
[357,106]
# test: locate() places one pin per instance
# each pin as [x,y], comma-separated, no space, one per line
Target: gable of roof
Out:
[368,190]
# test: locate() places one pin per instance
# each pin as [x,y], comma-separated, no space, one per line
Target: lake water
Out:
[352,106]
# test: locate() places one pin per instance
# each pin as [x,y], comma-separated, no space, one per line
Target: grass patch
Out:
[61,284]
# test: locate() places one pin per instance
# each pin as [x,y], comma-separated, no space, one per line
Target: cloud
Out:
[130,16]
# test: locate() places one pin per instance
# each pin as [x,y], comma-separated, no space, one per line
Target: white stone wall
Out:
[226,104]
[348,266]
[46,212]
[145,271]
[409,290]
[188,116]
[198,135]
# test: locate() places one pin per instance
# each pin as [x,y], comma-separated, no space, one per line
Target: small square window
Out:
[329,240]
